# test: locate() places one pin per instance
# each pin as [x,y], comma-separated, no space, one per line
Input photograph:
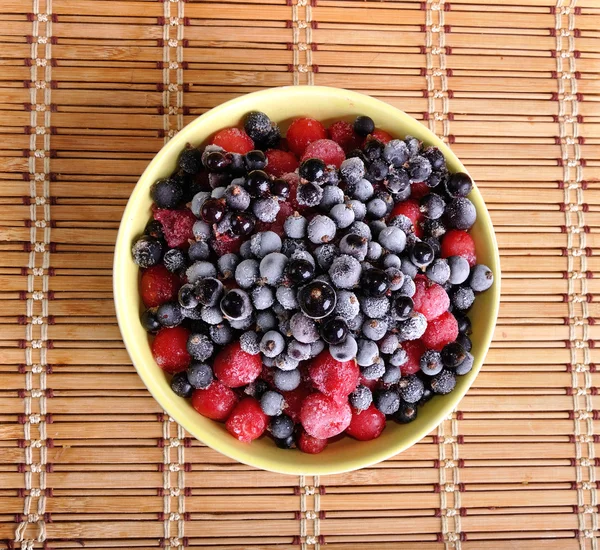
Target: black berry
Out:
[317,299]
[216,161]
[422,254]
[167,193]
[255,160]
[334,331]
[280,188]
[257,125]
[453,355]
[147,251]
[374,282]
[364,125]
[258,184]
[312,169]
[181,385]
[242,224]
[150,320]
[459,185]
[300,271]
[175,260]
[213,210]
[402,307]
[190,161]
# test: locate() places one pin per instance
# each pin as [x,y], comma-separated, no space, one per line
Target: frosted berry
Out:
[364,125]
[180,385]
[169,349]
[440,331]
[443,383]
[481,278]
[366,424]
[460,213]
[302,132]
[233,140]
[234,367]
[200,375]
[459,185]
[247,421]
[215,402]
[344,351]
[387,401]
[322,417]
[466,366]
[326,150]
[167,193]
[311,445]
[286,380]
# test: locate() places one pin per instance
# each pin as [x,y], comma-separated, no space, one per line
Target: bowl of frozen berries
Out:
[306,279]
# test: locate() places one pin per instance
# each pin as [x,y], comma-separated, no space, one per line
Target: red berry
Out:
[371,384]
[322,417]
[177,226]
[440,331]
[335,379]
[169,349]
[158,286]
[311,445]
[414,349]
[293,180]
[302,132]
[233,140]
[343,134]
[285,210]
[234,367]
[326,150]
[247,421]
[280,162]
[294,400]
[459,243]
[410,208]
[224,244]
[366,425]
[419,190]
[380,135]
[430,299]
[215,402]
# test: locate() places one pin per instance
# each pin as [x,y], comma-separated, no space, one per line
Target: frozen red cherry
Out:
[215,402]
[322,417]
[169,349]
[366,425]
[302,132]
[235,368]
[247,421]
[311,445]
[336,379]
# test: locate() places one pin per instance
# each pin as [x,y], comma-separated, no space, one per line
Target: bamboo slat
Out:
[518,90]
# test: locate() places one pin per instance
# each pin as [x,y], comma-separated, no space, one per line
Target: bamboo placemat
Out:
[91,89]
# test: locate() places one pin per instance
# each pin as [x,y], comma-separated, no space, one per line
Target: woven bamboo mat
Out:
[91,89]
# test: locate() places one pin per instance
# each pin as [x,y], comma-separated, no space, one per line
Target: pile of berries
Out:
[310,285]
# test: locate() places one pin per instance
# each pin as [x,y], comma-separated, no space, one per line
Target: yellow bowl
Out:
[283,105]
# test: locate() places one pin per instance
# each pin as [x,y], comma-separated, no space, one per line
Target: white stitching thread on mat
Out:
[438,108]
[302,42]
[436,74]
[581,376]
[310,508]
[174,493]
[36,453]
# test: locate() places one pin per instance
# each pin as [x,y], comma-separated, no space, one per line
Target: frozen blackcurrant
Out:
[374,282]
[317,299]
[334,331]
[301,271]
